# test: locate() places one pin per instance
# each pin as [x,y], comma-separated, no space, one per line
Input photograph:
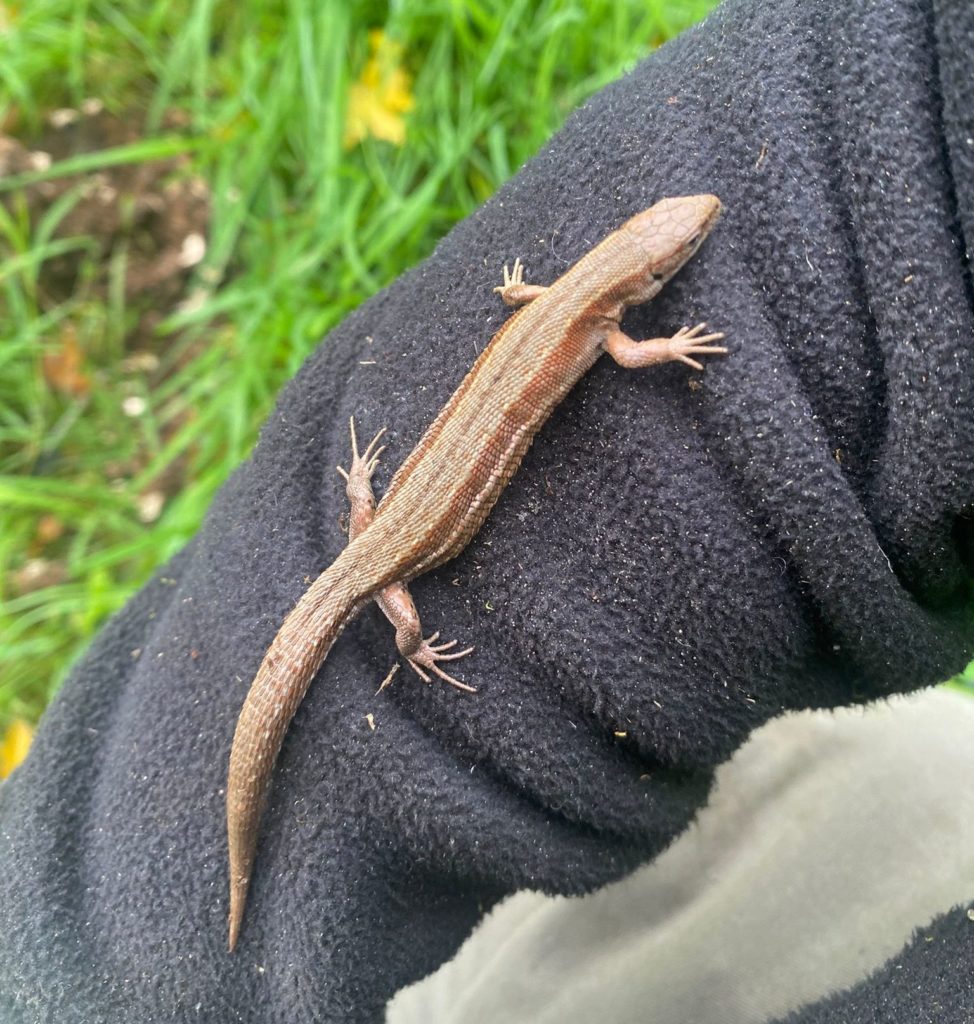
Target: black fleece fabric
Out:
[681,557]
[929,982]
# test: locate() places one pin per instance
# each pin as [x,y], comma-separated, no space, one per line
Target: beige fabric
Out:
[829,837]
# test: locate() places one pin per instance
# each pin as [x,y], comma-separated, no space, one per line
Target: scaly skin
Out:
[436,503]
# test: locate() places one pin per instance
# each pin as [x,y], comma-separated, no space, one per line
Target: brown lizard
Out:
[437,502]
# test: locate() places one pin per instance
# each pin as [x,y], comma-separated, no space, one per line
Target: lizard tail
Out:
[291,662]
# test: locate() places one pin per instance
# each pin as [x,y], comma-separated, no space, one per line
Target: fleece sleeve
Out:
[681,557]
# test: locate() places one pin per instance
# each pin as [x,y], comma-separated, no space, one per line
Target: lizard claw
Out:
[364,465]
[512,279]
[689,341]
[514,292]
[425,660]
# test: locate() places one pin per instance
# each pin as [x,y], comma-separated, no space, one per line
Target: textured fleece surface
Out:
[929,982]
[681,557]
[759,908]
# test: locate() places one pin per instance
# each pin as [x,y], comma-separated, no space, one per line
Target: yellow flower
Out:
[377,101]
[14,746]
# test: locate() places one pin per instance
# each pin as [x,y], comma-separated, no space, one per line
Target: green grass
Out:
[301,231]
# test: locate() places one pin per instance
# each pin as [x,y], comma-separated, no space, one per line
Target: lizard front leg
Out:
[514,291]
[395,600]
[686,343]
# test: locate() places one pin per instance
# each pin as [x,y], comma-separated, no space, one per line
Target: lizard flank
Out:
[437,502]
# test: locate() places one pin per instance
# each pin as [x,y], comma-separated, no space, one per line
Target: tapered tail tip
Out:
[238,894]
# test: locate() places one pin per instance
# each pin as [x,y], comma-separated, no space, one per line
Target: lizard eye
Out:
[657,277]
[693,241]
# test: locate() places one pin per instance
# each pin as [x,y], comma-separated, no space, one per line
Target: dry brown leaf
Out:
[63,365]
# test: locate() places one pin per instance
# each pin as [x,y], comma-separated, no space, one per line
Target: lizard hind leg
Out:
[358,481]
[423,655]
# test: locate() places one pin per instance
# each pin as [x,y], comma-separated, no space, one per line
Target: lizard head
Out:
[670,232]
